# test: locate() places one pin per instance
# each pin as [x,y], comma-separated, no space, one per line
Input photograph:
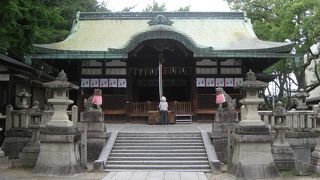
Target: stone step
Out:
[157,167]
[160,141]
[185,134]
[183,121]
[157,158]
[159,138]
[157,162]
[157,147]
[156,154]
[159,150]
[160,170]
[159,144]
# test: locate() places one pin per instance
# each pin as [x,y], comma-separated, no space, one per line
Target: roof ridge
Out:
[148,15]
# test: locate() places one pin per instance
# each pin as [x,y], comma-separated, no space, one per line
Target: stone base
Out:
[59,155]
[14,142]
[252,158]
[28,157]
[220,139]
[254,172]
[96,132]
[283,158]
[226,116]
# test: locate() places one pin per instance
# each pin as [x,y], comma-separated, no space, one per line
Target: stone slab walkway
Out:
[156,175]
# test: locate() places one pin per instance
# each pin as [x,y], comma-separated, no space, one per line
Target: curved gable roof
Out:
[199,31]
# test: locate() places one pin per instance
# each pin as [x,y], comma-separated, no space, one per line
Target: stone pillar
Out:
[59,152]
[225,120]
[3,158]
[282,153]
[252,158]
[315,156]
[93,120]
[29,155]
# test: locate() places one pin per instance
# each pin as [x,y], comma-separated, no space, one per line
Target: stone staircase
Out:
[158,151]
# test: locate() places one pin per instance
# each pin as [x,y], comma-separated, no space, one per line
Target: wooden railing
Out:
[180,107]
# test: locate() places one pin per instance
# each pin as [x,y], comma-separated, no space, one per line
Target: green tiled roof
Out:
[200,32]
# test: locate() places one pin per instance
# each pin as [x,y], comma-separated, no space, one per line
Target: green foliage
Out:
[24,22]
[280,20]
[155,7]
[186,8]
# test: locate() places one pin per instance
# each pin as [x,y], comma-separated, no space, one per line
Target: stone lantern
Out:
[251,102]
[60,100]
[251,156]
[301,96]
[23,99]
[59,152]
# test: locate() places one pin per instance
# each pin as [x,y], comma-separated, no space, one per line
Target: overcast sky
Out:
[171,5]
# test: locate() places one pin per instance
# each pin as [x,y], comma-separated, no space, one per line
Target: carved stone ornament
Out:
[160,20]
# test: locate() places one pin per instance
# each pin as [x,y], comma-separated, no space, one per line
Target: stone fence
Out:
[20,124]
[20,119]
[294,120]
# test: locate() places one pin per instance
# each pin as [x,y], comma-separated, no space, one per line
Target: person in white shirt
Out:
[163,106]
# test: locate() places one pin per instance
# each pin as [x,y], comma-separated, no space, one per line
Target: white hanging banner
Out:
[210,82]
[219,82]
[104,83]
[94,82]
[160,81]
[113,83]
[238,81]
[201,82]
[228,82]
[122,83]
[85,82]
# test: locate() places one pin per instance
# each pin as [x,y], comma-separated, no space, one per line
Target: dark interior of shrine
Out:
[143,67]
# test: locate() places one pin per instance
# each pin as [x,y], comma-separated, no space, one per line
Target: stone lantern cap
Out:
[302,94]
[24,93]
[251,82]
[61,82]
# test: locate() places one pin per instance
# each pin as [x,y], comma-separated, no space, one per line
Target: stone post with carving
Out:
[252,158]
[315,156]
[29,155]
[59,154]
[93,120]
[282,153]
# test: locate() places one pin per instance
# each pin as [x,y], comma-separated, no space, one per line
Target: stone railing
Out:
[20,119]
[295,120]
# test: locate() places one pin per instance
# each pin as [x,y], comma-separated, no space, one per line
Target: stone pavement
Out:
[155,175]
[175,128]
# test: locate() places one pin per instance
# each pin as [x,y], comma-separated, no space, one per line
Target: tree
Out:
[295,20]
[155,7]
[186,8]
[24,22]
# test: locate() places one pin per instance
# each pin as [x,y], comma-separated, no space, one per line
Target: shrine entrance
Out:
[160,59]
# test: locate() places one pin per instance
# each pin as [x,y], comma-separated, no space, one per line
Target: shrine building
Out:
[135,57]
